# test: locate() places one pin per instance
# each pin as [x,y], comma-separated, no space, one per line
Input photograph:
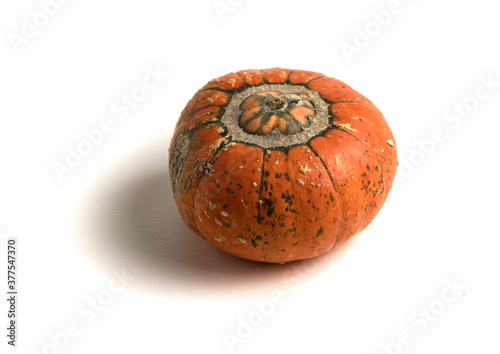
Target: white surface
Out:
[114,212]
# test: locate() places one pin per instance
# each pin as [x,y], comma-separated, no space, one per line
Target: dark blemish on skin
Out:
[287,177]
[270,206]
[258,237]
[320,231]
[272,223]
[287,198]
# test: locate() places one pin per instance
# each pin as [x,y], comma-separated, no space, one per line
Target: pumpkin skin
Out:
[278,165]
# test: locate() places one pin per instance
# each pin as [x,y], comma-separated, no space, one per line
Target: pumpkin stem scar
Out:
[274,112]
[276,115]
[276,104]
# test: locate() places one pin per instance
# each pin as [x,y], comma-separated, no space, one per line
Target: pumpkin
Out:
[278,165]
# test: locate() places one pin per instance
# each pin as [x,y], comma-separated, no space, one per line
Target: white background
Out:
[112,212]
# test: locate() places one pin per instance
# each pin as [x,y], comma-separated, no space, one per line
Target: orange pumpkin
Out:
[278,165]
